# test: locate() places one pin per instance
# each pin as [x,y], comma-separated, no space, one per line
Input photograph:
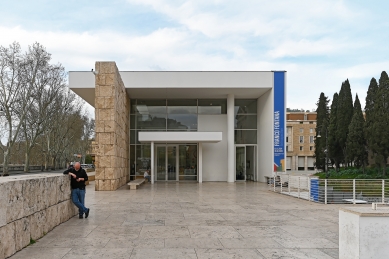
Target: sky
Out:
[319,43]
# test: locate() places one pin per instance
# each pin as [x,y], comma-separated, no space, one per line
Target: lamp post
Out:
[326,150]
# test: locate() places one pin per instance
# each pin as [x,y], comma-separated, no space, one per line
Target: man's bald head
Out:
[77,166]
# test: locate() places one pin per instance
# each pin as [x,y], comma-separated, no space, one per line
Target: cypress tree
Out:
[380,126]
[322,113]
[344,116]
[370,115]
[335,153]
[356,142]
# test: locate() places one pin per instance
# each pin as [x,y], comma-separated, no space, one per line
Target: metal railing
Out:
[332,191]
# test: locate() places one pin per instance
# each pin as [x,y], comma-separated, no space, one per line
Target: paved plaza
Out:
[191,220]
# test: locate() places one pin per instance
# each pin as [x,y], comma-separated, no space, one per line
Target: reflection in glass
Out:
[171,162]
[150,121]
[133,137]
[161,163]
[143,159]
[240,162]
[132,161]
[245,106]
[182,121]
[244,121]
[212,106]
[188,162]
[132,121]
[182,106]
[148,106]
[245,137]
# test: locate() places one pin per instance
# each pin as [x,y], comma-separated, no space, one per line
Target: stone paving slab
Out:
[191,220]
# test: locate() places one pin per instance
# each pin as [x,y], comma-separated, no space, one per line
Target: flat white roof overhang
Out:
[179,137]
[180,84]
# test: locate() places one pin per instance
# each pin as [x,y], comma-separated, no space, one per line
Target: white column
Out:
[230,137]
[152,162]
[200,162]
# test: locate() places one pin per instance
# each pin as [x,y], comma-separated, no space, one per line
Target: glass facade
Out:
[179,161]
[245,121]
[168,115]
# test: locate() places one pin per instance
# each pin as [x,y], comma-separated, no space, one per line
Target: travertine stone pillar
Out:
[112,126]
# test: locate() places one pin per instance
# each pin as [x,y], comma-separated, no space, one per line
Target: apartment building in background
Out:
[300,141]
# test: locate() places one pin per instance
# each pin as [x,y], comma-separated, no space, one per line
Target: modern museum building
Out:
[184,125]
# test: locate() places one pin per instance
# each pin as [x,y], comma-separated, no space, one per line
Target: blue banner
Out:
[279,121]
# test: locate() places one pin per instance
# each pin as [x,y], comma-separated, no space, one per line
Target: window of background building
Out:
[311,130]
[301,130]
[311,148]
[311,139]
[289,129]
[287,139]
[301,148]
[301,139]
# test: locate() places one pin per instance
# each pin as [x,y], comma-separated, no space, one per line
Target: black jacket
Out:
[80,174]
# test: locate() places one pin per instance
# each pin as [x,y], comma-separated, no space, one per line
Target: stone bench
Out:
[137,182]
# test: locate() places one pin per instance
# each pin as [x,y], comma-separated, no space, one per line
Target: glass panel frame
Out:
[245,121]
[186,122]
[245,106]
[160,169]
[171,167]
[188,162]
[245,137]
[182,106]
[149,106]
[212,106]
[151,121]
[240,161]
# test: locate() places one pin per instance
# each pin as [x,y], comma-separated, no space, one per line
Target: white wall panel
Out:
[265,111]
[214,154]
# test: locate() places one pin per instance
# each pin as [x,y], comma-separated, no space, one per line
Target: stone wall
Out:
[112,128]
[30,207]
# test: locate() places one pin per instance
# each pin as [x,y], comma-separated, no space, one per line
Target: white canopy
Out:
[180,137]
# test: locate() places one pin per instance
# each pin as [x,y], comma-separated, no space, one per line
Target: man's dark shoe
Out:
[80,217]
[87,213]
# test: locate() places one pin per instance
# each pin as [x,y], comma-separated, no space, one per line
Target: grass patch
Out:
[32,241]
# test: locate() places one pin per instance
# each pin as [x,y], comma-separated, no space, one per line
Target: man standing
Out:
[78,178]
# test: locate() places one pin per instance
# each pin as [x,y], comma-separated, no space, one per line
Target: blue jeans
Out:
[78,198]
[148,178]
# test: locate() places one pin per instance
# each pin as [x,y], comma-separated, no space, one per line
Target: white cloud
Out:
[230,35]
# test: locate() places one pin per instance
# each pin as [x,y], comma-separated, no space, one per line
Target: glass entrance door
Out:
[166,163]
[161,163]
[171,163]
[240,160]
[245,163]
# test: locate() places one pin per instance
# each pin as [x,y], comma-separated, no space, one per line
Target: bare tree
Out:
[45,80]
[35,101]
[15,97]
[87,135]
[64,128]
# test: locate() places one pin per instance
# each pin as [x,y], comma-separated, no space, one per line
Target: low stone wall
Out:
[30,207]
